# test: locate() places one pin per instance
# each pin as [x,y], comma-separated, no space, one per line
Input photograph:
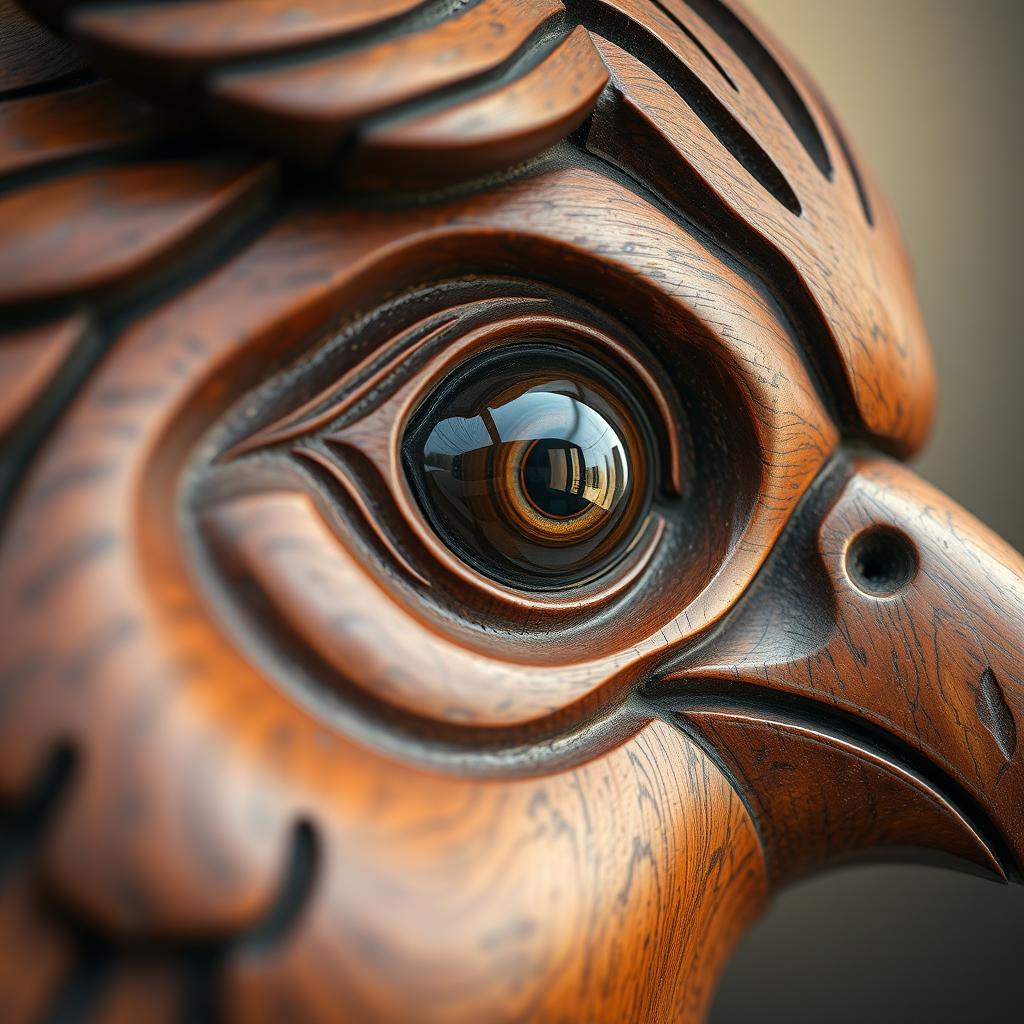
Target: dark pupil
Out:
[534,477]
[554,475]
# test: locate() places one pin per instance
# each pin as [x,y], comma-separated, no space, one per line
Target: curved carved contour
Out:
[270,745]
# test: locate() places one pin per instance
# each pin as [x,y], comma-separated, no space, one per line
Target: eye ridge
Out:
[534,464]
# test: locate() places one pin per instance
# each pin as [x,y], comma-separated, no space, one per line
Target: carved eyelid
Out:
[413,363]
[555,648]
[318,411]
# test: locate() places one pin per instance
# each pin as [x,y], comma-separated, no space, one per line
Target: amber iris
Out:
[532,464]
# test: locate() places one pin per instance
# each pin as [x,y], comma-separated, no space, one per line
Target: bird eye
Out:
[533,465]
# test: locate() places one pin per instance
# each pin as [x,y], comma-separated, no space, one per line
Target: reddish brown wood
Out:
[269,747]
[493,131]
[29,361]
[935,667]
[824,799]
[96,230]
[39,131]
[316,103]
[438,928]
[415,82]
[181,39]
[143,988]
[856,271]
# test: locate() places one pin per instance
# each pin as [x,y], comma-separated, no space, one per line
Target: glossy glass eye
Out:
[532,463]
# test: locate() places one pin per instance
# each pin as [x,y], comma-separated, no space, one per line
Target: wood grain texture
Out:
[30,57]
[822,798]
[688,134]
[314,82]
[269,747]
[704,108]
[460,935]
[339,262]
[912,674]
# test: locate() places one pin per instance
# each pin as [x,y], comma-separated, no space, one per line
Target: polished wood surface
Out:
[56,128]
[126,222]
[269,747]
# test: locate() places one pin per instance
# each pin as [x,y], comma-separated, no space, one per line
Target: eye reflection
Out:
[532,466]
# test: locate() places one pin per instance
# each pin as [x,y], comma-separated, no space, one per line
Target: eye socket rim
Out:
[633,524]
[374,437]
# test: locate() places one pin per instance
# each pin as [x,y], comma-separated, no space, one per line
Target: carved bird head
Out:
[456,563]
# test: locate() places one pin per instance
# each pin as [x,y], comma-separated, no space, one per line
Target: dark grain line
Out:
[201,959]
[429,15]
[539,45]
[236,234]
[80,551]
[204,962]
[425,16]
[297,883]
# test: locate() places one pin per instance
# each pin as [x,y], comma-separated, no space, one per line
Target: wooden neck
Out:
[614,891]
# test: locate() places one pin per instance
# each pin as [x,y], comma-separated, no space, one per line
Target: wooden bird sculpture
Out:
[455,564]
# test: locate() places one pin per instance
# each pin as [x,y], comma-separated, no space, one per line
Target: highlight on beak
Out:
[865,695]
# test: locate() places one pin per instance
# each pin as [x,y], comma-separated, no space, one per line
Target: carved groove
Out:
[851,163]
[712,59]
[23,823]
[446,83]
[32,429]
[468,132]
[75,1000]
[205,962]
[202,960]
[294,892]
[745,149]
[72,80]
[336,474]
[222,639]
[261,54]
[996,715]
[774,80]
[729,695]
[685,196]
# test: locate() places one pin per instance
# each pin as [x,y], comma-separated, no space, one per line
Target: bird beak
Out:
[867,693]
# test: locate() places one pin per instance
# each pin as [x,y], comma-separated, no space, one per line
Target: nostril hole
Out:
[881,560]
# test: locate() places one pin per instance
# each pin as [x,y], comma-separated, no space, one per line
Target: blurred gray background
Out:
[930,92]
